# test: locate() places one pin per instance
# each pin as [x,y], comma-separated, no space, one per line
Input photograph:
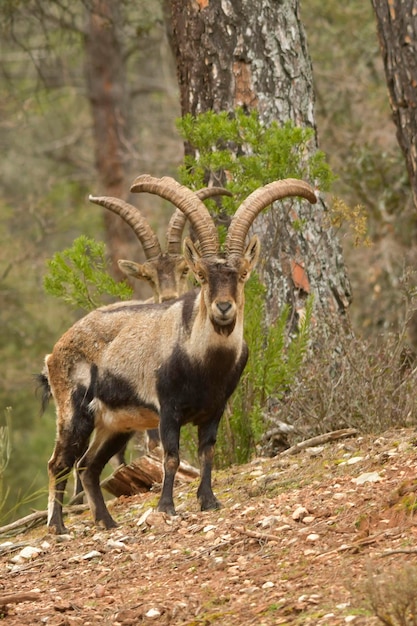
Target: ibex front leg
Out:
[207,435]
[170,438]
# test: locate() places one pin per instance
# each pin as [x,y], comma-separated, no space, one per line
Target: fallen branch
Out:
[360,543]
[14,598]
[319,440]
[253,534]
[35,519]
[399,551]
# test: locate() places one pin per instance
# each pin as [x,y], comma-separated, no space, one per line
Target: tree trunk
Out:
[107,92]
[253,54]
[397,31]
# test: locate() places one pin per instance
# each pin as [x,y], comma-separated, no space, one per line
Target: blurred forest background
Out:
[48,168]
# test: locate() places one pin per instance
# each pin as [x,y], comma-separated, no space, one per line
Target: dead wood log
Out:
[142,474]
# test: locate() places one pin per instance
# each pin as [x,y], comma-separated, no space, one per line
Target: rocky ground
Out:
[301,539]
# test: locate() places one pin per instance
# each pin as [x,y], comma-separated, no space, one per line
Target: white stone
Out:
[91,555]
[299,513]
[29,552]
[367,477]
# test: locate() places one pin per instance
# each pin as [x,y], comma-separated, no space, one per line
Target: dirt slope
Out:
[293,544]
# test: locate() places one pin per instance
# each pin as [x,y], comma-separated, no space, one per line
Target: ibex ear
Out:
[252,251]
[130,268]
[191,254]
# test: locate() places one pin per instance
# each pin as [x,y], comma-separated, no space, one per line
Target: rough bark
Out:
[397,31]
[253,53]
[107,92]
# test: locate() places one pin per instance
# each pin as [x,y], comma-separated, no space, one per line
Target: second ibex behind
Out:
[126,367]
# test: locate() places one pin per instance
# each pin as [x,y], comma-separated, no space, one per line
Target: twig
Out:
[256,535]
[320,439]
[399,551]
[361,543]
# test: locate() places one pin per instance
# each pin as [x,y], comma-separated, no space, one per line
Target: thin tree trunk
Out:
[253,54]
[397,31]
[107,85]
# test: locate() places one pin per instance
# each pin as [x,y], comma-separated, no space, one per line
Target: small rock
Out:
[269,521]
[354,459]
[248,589]
[91,555]
[367,477]
[116,544]
[26,554]
[209,527]
[153,613]
[144,517]
[99,591]
[268,585]
[299,513]
[313,537]
[315,451]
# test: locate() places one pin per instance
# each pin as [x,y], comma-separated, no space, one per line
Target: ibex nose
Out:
[224,307]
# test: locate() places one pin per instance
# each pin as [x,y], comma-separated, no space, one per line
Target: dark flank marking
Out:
[188,301]
[117,392]
[197,391]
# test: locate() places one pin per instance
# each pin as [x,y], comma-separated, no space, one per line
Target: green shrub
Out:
[241,153]
[79,276]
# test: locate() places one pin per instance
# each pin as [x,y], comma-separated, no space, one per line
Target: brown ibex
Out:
[126,367]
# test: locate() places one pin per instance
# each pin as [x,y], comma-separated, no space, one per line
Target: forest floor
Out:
[300,540]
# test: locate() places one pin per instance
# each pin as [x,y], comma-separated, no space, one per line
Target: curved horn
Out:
[177,222]
[186,200]
[259,200]
[132,216]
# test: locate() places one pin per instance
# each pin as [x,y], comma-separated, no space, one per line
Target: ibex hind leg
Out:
[90,466]
[67,450]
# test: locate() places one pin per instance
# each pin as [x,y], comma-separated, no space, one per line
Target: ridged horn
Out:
[187,201]
[259,200]
[132,216]
[177,222]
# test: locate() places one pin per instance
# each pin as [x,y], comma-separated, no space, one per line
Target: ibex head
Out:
[165,272]
[222,275]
